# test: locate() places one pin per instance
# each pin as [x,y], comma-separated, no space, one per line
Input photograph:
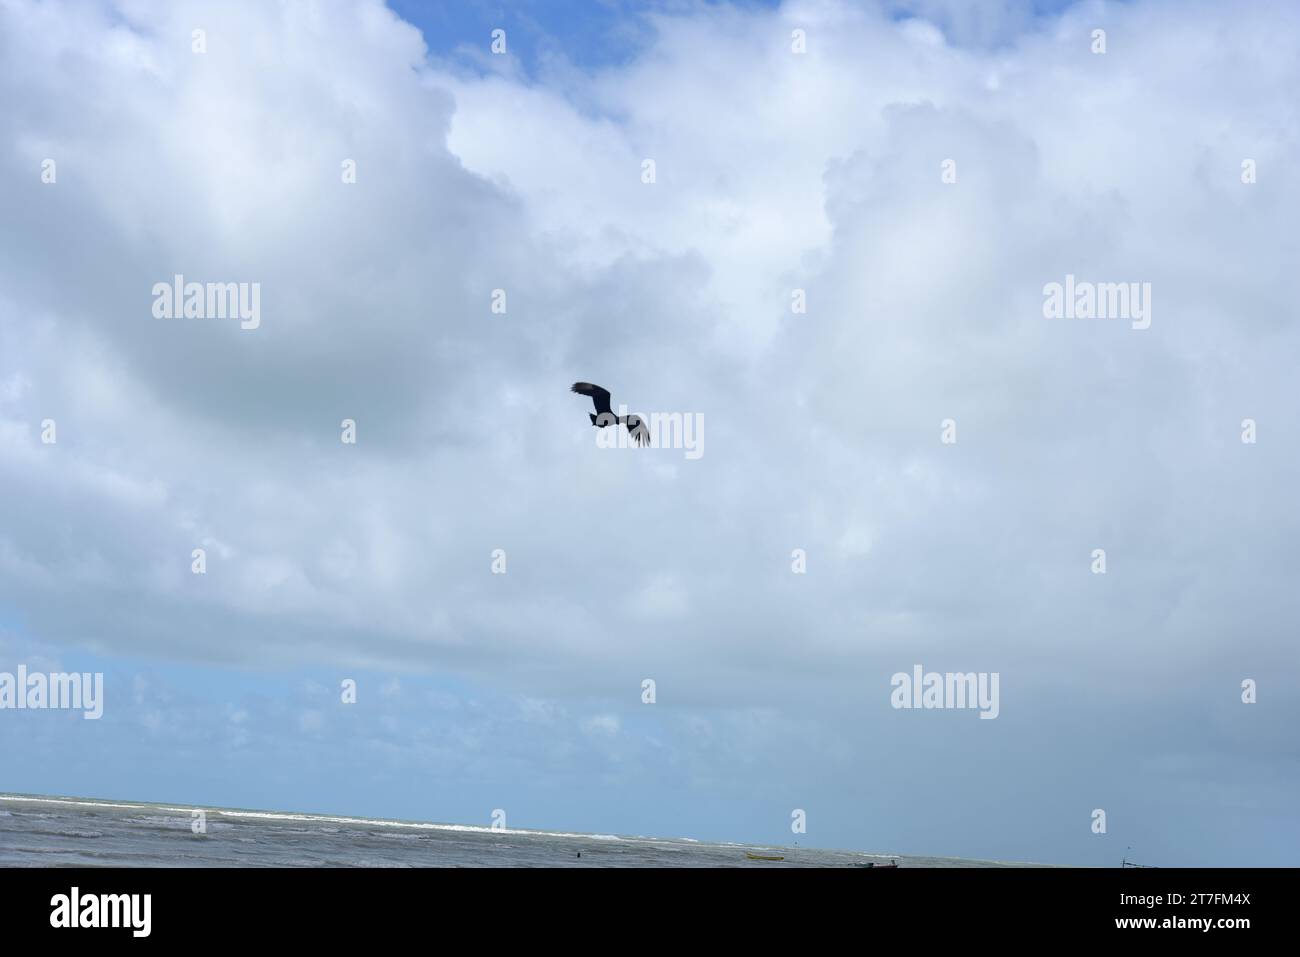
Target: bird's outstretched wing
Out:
[599,396]
[636,428]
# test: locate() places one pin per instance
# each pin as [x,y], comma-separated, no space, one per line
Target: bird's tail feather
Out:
[593,417]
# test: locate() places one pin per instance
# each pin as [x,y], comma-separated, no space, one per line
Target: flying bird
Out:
[604,415]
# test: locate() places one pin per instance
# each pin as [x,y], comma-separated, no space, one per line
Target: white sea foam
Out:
[312,818]
[19,798]
[415,825]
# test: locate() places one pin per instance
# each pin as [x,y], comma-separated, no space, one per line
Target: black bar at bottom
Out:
[563,907]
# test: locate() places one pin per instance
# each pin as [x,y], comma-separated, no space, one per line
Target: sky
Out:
[839,268]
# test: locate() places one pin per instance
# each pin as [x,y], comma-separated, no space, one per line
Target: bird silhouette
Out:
[604,415]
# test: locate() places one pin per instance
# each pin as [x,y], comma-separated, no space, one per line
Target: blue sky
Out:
[587,34]
[592,34]
[776,172]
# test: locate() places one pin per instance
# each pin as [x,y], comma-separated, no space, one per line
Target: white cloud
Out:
[776,172]
[601,725]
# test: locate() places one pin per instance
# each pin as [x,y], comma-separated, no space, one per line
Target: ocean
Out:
[40,831]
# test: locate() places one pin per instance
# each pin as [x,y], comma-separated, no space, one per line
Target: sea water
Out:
[47,831]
